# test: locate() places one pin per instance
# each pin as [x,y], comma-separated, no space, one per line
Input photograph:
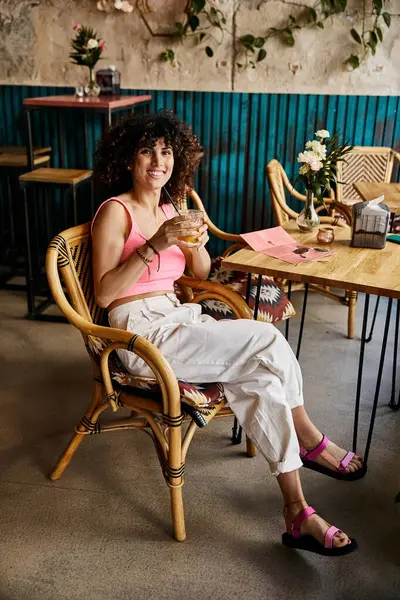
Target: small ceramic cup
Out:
[325,235]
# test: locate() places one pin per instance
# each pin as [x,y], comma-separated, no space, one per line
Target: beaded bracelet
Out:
[150,245]
[147,261]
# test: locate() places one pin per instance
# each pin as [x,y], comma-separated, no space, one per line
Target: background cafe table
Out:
[369,190]
[355,269]
[108,105]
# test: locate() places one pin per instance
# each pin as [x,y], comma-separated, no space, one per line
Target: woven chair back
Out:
[277,179]
[75,256]
[363,163]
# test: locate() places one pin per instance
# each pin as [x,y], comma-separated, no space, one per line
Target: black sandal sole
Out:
[353,476]
[310,544]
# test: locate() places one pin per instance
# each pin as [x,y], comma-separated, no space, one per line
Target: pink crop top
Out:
[172,260]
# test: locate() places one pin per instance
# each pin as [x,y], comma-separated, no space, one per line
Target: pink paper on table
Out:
[276,242]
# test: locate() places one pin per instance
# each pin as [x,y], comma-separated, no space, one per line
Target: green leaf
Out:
[320,25]
[353,61]
[378,5]
[355,36]
[311,15]
[373,38]
[193,22]
[379,33]
[373,48]
[339,5]
[261,55]
[202,36]
[259,42]
[247,40]
[209,51]
[180,29]
[287,36]
[213,17]
[387,17]
[196,6]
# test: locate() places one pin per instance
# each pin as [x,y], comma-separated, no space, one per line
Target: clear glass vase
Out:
[308,219]
[91,88]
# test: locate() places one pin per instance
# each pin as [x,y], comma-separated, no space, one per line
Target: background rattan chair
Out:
[279,185]
[364,163]
[160,406]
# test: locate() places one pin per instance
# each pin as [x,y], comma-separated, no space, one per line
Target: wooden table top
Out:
[356,269]
[87,102]
[61,176]
[369,190]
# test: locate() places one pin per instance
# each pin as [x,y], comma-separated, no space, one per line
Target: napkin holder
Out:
[370,224]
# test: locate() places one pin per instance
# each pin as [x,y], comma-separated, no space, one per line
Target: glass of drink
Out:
[195,219]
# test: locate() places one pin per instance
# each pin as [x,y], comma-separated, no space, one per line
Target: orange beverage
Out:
[195,220]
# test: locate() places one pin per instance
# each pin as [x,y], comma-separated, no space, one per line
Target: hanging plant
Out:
[369,38]
[201,22]
[203,19]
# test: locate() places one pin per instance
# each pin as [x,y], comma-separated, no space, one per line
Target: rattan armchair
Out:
[364,163]
[159,407]
[279,184]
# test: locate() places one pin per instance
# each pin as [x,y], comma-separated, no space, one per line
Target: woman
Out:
[139,251]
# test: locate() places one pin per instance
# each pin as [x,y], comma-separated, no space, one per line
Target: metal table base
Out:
[394,402]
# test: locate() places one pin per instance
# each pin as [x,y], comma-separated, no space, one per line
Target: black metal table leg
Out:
[289,294]
[257,301]
[360,371]
[60,142]
[29,146]
[393,404]
[75,205]
[379,379]
[86,139]
[237,431]
[303,314]
[28,259]
[369,338]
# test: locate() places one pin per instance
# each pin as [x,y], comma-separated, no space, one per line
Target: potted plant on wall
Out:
[87,49]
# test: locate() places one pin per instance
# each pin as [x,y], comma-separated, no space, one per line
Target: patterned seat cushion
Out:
[396,224]
[274,305]
[201,401]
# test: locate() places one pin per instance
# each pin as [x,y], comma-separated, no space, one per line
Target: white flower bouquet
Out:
[319,163]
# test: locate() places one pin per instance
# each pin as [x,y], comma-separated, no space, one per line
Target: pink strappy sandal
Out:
[293,538]
[308,457]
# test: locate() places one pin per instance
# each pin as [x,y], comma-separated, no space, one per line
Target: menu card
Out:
[276,242]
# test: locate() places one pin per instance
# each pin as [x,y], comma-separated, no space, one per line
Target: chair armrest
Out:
[210,289]
[124,339]
[396,155]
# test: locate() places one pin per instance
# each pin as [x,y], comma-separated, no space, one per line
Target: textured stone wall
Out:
[35,44]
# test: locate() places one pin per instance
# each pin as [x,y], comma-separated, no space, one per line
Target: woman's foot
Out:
[331,450]
[307,531]
[314,525]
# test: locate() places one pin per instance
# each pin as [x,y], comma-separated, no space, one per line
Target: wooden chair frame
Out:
[68,265]
[278,181]
[379,167]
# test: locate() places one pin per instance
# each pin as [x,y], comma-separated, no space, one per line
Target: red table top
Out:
[71,101]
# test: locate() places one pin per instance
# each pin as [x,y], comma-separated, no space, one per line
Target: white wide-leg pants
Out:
[254,362]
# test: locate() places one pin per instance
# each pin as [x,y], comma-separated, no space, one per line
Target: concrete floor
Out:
[103,530]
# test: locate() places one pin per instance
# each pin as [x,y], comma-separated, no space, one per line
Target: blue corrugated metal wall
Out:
[240,134]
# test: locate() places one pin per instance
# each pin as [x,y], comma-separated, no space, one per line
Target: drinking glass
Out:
[196,220]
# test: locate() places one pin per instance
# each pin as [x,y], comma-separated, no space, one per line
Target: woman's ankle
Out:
[293,509]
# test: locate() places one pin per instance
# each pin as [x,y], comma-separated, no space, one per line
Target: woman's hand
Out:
[203,237]
[170,232]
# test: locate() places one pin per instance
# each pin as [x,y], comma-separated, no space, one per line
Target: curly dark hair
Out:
[119,144]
